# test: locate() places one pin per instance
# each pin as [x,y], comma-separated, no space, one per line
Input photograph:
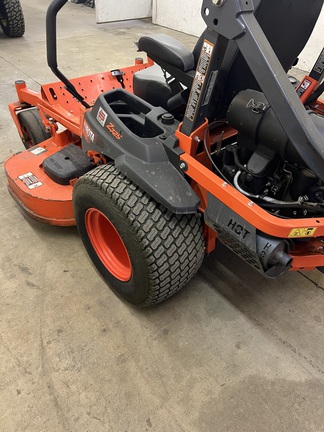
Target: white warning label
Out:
[203,64]
[30,180]
[37,150]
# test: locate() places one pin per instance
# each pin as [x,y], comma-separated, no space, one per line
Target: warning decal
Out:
[30,180]
[305,84]
[302,232]
[37,150]
[199,79]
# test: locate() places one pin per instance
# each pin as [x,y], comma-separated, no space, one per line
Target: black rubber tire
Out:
[165,250]
[12,18]
[33,128]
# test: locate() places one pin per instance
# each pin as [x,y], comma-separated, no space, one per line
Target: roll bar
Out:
[51,48]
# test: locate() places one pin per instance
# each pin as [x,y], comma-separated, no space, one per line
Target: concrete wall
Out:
[111,10]
[165,13]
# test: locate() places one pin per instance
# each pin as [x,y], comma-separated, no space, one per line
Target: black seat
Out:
[287,24]
[168,50]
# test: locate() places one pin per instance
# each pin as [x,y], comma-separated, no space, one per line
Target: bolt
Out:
[218,3]
[183,166]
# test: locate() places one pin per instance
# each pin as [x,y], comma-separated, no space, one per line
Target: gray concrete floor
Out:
[232,352]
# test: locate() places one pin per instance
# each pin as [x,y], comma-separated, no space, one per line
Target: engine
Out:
[264,165]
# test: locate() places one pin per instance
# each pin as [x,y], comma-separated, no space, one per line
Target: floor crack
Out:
[18,69]
[311,280]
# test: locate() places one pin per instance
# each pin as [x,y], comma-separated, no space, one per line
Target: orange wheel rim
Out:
[108,245]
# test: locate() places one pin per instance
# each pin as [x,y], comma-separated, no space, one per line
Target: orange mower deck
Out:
[35,193]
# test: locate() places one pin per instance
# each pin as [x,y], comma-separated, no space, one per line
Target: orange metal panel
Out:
[56,102]
[38,195]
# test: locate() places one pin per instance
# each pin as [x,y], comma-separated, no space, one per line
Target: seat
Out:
[177,61]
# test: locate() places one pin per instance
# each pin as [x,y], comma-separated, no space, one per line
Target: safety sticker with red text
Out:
[30,180]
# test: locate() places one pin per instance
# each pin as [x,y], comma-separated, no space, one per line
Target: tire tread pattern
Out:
[12,14]
[173,245]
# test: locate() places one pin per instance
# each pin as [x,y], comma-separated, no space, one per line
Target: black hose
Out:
[316,94]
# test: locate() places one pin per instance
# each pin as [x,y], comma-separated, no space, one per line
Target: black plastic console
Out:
[140,139]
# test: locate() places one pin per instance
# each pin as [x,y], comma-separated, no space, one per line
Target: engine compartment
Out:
[263,164]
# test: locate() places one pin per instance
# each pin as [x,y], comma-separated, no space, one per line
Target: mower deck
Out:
[35,193]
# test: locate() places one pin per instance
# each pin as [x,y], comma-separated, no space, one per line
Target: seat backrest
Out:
[287,25]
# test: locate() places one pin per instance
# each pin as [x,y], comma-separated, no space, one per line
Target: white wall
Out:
[314,46]
[181,15]
[112,10]
[185,16]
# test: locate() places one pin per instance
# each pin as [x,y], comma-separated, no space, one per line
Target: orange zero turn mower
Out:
[157,162]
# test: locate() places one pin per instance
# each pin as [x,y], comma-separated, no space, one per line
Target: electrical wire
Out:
[274,202]
[207,150]
[318,109]
[268,201]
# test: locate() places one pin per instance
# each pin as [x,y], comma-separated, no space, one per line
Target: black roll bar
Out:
[51,48]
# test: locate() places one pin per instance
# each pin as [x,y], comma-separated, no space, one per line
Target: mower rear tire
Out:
[144,252]
[12,18]
[32,128]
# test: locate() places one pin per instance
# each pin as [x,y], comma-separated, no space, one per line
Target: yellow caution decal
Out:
[302,232]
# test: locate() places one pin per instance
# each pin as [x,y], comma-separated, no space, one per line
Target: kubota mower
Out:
[158,161]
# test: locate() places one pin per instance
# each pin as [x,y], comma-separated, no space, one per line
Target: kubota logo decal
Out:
[101,116]
[112,130]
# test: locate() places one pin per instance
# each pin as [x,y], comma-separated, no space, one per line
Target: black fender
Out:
[162,181]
